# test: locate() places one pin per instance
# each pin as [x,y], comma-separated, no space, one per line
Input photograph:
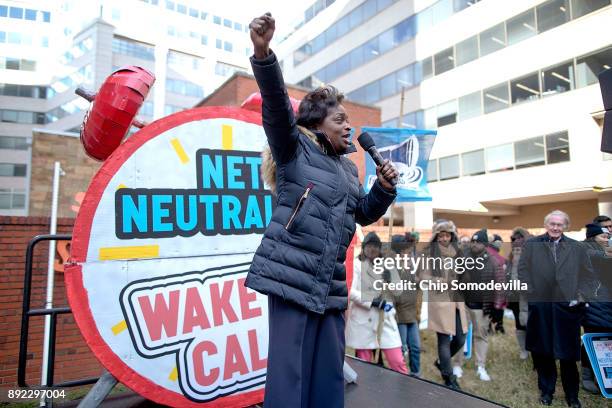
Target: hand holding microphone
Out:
[385,171]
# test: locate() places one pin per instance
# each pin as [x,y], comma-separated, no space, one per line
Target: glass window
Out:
[387,85]
[369,8]
[342,26]
[424,19]
[385,41]
[557,148]
[442,10]
[449,167]
[558,79]
[5,199]
[372,92]
[466,50]
[218,43]
[13,143]
[583,7]
[356,57]
[403,31]
[432,170]
[12,63]
[473,163]
[181,8]
[405,77]
[492,39]
[16,12]
[529,152]
[496,98]
[217,20]
[552,14]
[24,117]
[444,61]
[447,113]
[3,11]
[6,169]
[330,35]
[30,14]
[2,36]
[355,17]
[227,23]
[170,5]
[526,88]
[500,158]
[18,200]
[237,26]
[587,68]
[470,106]
[521,27]
[46,16]
[227,46]
[194,13]
[426,68]
[371,50]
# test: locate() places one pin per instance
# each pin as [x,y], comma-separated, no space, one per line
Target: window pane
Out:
[20,170]
[12,63]
[496,98]
[466,50]
[385,41]
[525,89]
[405,77]
[30,14]
[46,16]
[427,68]
[9,116]
[529,152]
[447,113]
[432,170]
[444,61]
[3,11]
[470,106]
[387,86]
[557,148]
[18,200]
[521,27]
[473,163]
[16,12]
[6,170]
[583,7]
[492,39]
[449,167]
[587,68]
[5,199]
[552,14]
[500,158]
[403,31]
[356,57]
[24,117]
[558,79]
[372,92]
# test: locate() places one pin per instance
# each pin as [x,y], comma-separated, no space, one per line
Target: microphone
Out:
[367,143]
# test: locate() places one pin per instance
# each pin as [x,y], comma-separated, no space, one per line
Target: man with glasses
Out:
[559,277]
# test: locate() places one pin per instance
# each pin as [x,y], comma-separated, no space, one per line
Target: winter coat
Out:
[599,312]
[441,308]
[406,303]
[553,327]
[500,302]
[319,199]
[363,320]
[485,300]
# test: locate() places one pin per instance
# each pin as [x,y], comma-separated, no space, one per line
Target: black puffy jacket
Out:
[319,198]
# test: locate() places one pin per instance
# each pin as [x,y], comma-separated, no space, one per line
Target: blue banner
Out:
[409,150]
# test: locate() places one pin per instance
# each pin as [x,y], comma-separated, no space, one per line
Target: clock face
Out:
[161,247]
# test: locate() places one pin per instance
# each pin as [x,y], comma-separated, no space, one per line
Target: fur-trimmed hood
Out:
[268,165]
[443,226]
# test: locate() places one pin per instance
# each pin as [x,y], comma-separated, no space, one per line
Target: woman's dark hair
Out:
[315,105]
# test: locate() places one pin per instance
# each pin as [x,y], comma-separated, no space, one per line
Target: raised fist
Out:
[262,29]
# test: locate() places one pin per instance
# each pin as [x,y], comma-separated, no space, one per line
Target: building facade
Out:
[511,87]
[49,48]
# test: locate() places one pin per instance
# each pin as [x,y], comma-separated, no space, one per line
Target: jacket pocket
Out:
[299,207]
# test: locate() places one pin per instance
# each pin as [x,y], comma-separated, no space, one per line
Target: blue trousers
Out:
[305,357]
[409,333]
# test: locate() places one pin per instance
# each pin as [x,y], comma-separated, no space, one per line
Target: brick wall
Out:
[47,148]
[73,359]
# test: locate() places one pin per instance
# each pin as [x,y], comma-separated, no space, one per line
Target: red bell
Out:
[113,110]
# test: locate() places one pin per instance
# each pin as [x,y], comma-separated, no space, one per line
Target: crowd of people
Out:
[568,293]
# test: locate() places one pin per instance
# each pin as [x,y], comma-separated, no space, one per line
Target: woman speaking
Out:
[300,261]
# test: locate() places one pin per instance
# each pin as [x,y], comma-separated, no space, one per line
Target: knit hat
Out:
[594,230]
[398,243]
[371,238]
[481,236]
